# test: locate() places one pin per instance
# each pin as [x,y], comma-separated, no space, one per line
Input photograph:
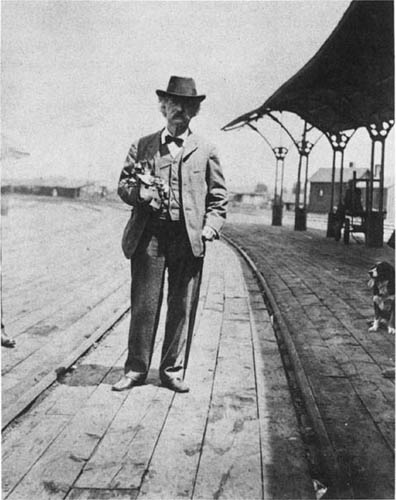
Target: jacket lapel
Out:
[190,145]
[154,145]
[152,151]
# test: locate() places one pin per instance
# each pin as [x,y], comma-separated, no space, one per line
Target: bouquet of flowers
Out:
[152,187]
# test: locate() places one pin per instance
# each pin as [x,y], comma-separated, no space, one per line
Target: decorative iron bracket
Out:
[280,152]
[339,140]
[304,147]
[380,131]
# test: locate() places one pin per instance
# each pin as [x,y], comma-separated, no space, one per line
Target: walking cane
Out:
[191,324]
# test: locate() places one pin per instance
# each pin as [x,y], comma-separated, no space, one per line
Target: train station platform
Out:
[287,395]
[234,435]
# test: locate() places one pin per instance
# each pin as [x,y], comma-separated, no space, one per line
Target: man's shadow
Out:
[93,374]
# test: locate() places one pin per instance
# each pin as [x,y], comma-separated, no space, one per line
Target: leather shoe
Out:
[127,382]
[6,341]
[175,384]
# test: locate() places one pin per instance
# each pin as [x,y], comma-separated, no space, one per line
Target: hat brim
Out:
[163,93]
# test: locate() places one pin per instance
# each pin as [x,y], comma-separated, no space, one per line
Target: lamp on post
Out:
[277,207]
[280,155]
[304,148]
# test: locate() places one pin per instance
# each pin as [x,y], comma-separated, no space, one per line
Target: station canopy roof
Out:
[349,83]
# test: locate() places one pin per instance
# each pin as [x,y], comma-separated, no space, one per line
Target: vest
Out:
[170,172]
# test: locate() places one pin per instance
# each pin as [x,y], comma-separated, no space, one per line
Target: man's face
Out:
[178,112]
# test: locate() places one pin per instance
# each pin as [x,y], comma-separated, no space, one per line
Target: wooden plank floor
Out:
[64,282]
[320,288]
[234,435]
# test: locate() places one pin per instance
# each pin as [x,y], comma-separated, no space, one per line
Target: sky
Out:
[79,80]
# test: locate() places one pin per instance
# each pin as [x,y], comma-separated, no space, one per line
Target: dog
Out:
[382,283]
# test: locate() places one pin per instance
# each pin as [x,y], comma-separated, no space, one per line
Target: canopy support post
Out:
[378,133]
[306,183]
[338,142]
[331,216]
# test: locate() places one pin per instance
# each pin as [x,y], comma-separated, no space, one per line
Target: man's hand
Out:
[147,193]
[208,233]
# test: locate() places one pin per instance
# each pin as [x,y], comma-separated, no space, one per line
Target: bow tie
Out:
[177,140]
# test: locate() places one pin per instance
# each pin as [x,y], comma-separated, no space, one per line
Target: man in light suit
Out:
[174,182]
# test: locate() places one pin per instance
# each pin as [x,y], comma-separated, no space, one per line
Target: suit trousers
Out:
[164,245]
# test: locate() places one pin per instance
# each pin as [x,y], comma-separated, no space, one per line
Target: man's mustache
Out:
[179,115]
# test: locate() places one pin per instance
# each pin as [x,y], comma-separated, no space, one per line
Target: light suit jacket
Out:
[203,192]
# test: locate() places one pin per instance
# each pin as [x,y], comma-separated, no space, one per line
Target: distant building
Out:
[94,190]
[50,186]
[257,199]
[249,199]
[320,188]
